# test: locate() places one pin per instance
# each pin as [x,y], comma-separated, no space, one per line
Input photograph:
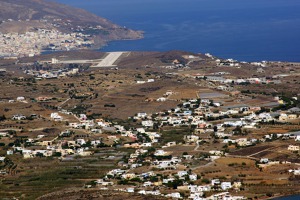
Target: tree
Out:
[238,130]
[269,194]
[39,155]
[153,179]
[2,118]
[206,181]
[215,128]
[57,154]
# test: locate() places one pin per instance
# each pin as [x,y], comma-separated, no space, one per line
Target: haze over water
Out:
[245,30]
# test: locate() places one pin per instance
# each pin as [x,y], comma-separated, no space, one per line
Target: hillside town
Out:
[34,42]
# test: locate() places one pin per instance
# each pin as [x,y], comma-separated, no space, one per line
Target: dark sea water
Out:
[294,197]
[245,30]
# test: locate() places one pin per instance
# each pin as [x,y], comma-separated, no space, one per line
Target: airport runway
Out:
[79,61]
[109,60]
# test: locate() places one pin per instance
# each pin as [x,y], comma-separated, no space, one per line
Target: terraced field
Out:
[39,176]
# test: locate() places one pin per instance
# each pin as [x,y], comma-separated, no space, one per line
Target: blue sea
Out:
[244,30]
[294,197]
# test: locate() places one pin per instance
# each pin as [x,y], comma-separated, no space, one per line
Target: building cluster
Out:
[63,146]
[219,78]
[234,63]
[34,42]
[52,73]
[152,153]
[142,82]
[195,113]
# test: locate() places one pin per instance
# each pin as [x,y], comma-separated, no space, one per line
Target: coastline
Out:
[286,197]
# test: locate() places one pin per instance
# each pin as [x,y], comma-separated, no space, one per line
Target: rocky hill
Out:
[21,16]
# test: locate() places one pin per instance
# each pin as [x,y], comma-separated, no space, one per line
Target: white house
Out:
[130,190]
[20,99]
[264,160]
[297,138]
[174,195]
[182,173]
[80,141]
[197,196]
[167,180]
[140,130]
[191,138]
[10,152]
[3,134]
[170,144]
[160,153]
[147,144]
[82,117]
[56,117]
[116,172]
[147,184]
[293,148]
[18,117]
[226,185]
[193,177]
[142,115]
[103,183]
[148,123]
[265,117]
[161,99]
[215,182]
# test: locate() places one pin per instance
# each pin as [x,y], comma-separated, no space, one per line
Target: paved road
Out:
[201,166]
[268,149]
[60,105]
[196,147]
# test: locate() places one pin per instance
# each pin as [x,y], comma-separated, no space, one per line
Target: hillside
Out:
[21,16]
[91,194]
[40,9]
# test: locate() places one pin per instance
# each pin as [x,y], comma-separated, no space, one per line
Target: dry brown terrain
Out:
[93,194]
[113,93]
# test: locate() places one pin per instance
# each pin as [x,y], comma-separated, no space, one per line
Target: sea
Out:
[253,30]
[294,197]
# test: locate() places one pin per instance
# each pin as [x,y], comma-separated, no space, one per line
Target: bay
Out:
[244,30]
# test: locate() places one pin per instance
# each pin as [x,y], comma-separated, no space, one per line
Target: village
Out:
[152,151]
[187,134]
